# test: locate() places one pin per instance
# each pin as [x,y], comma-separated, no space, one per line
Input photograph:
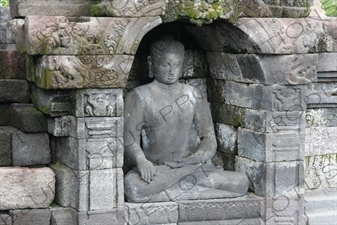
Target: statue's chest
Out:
[170,108]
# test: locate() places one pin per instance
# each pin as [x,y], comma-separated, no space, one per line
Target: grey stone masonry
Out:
[5,114]
[114,36]
[93,143]
[80,103]
[274,147]
[28,119]
[23,187]
[321,95]
[264,69]
[61,216]
[99,103]
[152,213]
[14,91]
[22,8]
[12,64]
[226,138]
[82,154]
[6,145]
[116,216]
[273,179]
[250,206]
[88,190]
[5,219]
[31,216]
[30,149]
[287,209]
[269,98]
[274,122]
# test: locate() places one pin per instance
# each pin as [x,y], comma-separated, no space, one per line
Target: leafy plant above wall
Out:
[330,7]
[4,2]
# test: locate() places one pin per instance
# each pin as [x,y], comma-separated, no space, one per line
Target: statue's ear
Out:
[149,61]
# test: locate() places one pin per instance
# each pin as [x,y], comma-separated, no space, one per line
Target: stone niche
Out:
[270,83]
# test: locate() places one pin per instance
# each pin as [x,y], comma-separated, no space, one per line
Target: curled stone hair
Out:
[164,45]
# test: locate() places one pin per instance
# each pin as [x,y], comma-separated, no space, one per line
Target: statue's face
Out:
[168,68]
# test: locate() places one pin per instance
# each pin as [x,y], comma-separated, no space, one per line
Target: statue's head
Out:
[166,60]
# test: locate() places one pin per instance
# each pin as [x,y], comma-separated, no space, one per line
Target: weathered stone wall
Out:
[270,83]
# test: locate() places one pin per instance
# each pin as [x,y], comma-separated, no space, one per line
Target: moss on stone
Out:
[200,12]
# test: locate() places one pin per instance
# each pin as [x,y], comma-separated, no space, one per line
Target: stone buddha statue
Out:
[158,119]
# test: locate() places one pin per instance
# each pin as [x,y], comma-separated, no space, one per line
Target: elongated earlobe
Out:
[149,61]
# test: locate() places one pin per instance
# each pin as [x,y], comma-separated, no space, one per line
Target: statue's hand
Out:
[191,160]
[146,170]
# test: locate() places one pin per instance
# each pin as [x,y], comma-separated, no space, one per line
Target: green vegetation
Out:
[330,7]
[4,2]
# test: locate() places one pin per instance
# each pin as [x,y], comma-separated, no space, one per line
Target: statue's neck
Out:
[165,86]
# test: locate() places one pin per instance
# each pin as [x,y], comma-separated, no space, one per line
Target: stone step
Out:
[321,201]
[322,218]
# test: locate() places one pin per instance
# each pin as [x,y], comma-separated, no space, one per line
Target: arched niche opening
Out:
[208,63]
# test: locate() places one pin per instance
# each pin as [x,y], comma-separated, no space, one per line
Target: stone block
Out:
[76,72]
[102,217]
[274,122]
[80,103]
[52,102]
[228,114]
[88,190]
[5,219]
[224,160]
[14,91]
[216,90]
[8,30]
[23,8]
[226,138]
[30,149]
[278,69]
[28,119]
[267,36]
[223,222]
[324,117]
[275,147]
[99,103]
[320,95]
[129,8]
[320,140]
[320,171]
[61,216]
[93,154]
[195,64]
[26,187]
[71,188]
[12,64]
[5,114]
[320,200]
[152,213]
[273,179]
[284,209]
[92,128]
[5,13]
[249,206]
[270,98]
[223,66]
[329,27]
[31,216]
[327,62]
[59,35]
[6,145]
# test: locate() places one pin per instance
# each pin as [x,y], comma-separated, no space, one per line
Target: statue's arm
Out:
[134,118]
[204,125]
